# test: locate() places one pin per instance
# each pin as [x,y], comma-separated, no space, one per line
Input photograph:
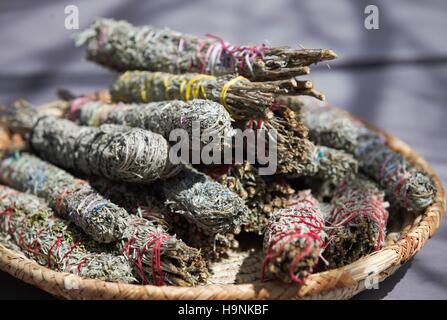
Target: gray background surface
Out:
[395,77]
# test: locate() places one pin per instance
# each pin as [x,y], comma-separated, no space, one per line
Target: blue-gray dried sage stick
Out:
[69,197]
[147,203]
[163,117]
[115,152]
[326,163]
[27,223]
[204,202]
[330,127]
[122,46]
[405,185]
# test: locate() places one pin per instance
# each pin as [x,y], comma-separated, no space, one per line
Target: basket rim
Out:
[339,283]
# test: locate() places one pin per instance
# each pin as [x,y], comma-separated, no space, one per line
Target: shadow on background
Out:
[14,289]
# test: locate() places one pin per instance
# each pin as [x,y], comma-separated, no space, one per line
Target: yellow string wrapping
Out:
[182,89]
[167,84]
[226,87]
[143,92]
[194,86]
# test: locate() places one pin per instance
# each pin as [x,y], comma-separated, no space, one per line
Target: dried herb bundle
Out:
[290,139]
[116,152]
[121,46]
[204,202]
[159,117]
[357,222]
[251,102]
[70,198]
[159,258]
[141,202]
[335,165]
[405,185]
[242,98]
[323,162]
[31,227]
[330,127]
[146,203]
[294,239]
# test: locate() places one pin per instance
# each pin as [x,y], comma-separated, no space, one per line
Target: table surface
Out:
[394,77]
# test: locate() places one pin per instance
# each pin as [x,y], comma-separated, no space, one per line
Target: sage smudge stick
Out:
[405,185]
[330,127]
[324,163]
[250,102]
[98,215]
[357,222]
[242,98]
[204,202]
[122,46]
[159,258]
[294,239]
[290,132]
[147,203]
[160,117]
[33,229]
[116,152]
[142,202]
[335,165]
[70,198]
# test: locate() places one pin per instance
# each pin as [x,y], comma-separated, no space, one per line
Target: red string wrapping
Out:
[294,239]
[28,225]
[357,222]
[154,244]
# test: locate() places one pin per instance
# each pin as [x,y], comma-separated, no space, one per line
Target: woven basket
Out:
[243,267]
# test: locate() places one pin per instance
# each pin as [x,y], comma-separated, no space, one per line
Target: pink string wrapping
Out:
[225,54]
[305,215]
[359,204]
[155,242]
